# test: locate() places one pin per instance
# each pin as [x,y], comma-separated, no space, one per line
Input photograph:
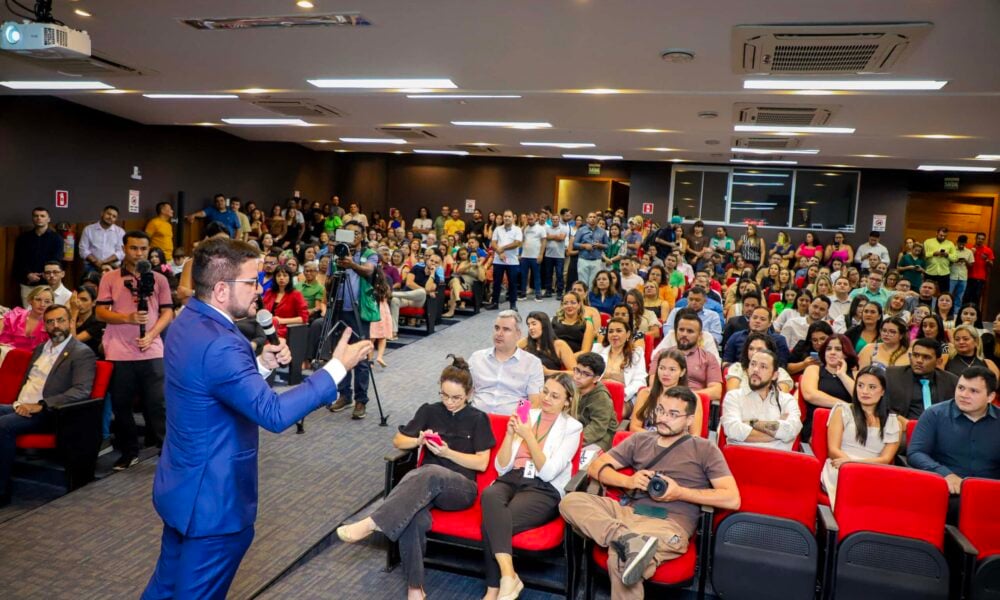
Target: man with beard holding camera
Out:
[138,360]
[205,488]
[651,528]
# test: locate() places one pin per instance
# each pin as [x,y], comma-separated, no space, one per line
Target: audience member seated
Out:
[831,382]
[914,388]
[630,280]
[644,531]
[312,290]
[463,276]
[624,312]
[892,348]
[713,301]
[736,374]
[759,322]
[762,415]
[740,322]
[646,321]
[967,352]
[669,341]
[806,352]
[24,328]
[594,409]
[708,318]
[653,303]
[703,370]
[624,362]
[534,464]
[801,309]
[61,371]
[572,326]
[455,439]
[862,431]
[795,329]
[555,354]
[868,330]
[960,438]
[504,373]
[422,281]
[285,302]
[669,370]
[590,314]
[604,296]
[83,323]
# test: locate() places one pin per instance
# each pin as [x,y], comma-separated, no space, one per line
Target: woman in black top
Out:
[801,356]
[572,326]
[455,440]
[83,322]
[555,354]
[831,381]
[967,351]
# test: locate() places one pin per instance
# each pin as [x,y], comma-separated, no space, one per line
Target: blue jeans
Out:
[532,265]
[548,264]
[587,270]
[957,290]
[513,272]
[361,371]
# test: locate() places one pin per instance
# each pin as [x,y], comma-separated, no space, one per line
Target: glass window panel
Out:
[762,196]
[713,195]
[687,193]
[825,199]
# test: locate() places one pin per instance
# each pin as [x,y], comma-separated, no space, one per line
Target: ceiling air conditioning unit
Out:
[407,133]
[823,49]
[476,149]
[770,142]
[296,107]
[789,115]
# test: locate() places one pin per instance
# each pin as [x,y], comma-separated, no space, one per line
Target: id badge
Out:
[529,470]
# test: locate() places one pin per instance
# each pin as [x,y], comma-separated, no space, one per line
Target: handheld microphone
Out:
[144,268]
[266,322]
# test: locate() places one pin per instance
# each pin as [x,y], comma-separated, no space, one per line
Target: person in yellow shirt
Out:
[455,224]
[160,230]
[937,251]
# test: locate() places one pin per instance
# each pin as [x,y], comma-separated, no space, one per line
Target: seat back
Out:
[757,471]
[617,391]
[706,410]
[818,440]
[910,426]
[866,502]
[605,319]
[102,378]
[12,374]
[498,423]
[772,299]
[978,516]
[648,349]
[802,404]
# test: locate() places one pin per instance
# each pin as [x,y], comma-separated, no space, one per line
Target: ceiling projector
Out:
[44,40]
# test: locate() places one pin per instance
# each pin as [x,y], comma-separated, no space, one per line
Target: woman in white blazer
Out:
[534,463]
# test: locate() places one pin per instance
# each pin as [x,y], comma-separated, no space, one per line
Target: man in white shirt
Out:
[355,215]
[840,302]
[531,256]
[819,310]
[556,236]
[630,280]
[101,242]
[53,275]
[871,247]
[763,415]
[504,374]
[697,296]
[506,240]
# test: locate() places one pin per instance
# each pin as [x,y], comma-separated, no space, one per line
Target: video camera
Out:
[345,240]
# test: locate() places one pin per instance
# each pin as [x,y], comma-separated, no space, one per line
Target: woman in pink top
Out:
[810,247]
[25,328]
[838,250]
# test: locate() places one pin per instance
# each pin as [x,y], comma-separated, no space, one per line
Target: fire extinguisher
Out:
[69,241]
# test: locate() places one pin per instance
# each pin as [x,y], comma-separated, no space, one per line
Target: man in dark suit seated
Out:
[740,322]
[61,371]
[913,389]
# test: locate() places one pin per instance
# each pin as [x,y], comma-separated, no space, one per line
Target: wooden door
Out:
[961,214]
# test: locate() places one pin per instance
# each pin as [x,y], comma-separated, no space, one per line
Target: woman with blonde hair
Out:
[570,325]
[966,350]
[24,328]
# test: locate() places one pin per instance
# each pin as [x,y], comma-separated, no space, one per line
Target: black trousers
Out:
[145,379]
[511,505]
[11,426]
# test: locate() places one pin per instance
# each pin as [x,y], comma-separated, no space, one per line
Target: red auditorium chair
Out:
[885,538]
[550,545]
[617,391]
[767,549]
[819,446]
[647,348]
[605,319]
[473,298]
[430,313]
[677,573]
[910,426]
[77,437]
[976,542]
[773,298]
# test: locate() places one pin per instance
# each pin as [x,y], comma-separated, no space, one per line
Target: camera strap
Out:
[632,496]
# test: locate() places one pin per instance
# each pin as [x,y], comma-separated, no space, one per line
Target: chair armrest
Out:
[827,536]
[706,522]
[71,407]
[397,464]
[807,449]
[958,541]
[578,483]
[962,557]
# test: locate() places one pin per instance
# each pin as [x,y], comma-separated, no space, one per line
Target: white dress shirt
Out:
[31,392]
[497,386]
[102,243]
[739,406]
[865,249]
[795,329]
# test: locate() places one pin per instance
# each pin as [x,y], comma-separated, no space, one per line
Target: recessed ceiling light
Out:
[462,96]
[341,150]
[677,55]
[792,129]
[113,92]
[451,152]
[354,140]
[600,91]
[819,185]
[708,114]
[82,13]
[304,4]
[678,160]
[254,91]
[956,168]
[189,96]
[842,84]
[829,174]
[663,149]
[510,124]
[244,121]
[594,156]
[938,136]
[322,141]
[773,151]
[747,161]
[988,157]
[870,156]
[566,145]
[368,84]
[207,124]
[398,152]
[56,85]
[650,130]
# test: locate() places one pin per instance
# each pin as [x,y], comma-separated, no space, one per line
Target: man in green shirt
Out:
[594,409]
[312,290]
[937,251]
[439,222]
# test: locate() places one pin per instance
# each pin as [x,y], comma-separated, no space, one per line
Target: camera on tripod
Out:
[345,239]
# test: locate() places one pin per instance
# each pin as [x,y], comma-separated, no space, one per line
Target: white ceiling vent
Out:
[408,133]
[770,142]
[89,66]
[782,114]
[814,49]
[476,149]
[296,107]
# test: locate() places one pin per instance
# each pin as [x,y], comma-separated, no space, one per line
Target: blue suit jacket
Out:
[206,480]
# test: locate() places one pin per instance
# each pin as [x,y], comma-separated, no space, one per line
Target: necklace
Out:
[968,363]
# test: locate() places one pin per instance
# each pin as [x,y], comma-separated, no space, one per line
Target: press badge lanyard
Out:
[529,466]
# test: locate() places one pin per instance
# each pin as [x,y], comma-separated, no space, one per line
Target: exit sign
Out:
[594,169]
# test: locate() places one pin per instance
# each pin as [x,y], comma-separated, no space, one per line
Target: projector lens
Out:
[11,34]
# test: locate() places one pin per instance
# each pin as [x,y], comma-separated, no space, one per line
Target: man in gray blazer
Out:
[907,386]
[61,371]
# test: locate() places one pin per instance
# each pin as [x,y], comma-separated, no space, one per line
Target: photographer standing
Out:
[138,360]
[359,262]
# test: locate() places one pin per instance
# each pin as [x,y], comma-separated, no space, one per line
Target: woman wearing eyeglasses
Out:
[455,440]
[534,463]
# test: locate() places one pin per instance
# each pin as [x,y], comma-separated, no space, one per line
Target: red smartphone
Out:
[523,410]
[434,439]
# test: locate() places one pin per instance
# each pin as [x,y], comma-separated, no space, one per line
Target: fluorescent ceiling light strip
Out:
[792,129]
[594,156]
[452,152]
[353,140]
[567,145]
[511,124]
[956,168]
[747,161]
[56,85]
[758,183]
[242,121]
[761,174]
[843,84]
[462,96]
[759,207]
[368,84]
[772,151]
[189,96]
[988,157]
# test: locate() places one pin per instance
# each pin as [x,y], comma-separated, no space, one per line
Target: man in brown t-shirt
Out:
[648,531]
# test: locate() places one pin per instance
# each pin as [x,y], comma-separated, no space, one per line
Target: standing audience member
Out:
[506,240]
[590,241]
[961,259]
[873,247]
[243,231]
[979,271]
[914,388]
[752,248]
[24,328]
[101,242]
[937,252]
[32,250]
[504,374]
[556,236]
[911,265]
[763,416]
[532,254]
[161,230]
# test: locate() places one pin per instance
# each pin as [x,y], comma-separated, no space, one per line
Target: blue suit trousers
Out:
[197,567]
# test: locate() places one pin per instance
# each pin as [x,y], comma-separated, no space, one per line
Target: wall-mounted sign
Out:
[470,205]
[878,222]
[133,201]
[647,208]
[951,183]
[62,199]
[594,169]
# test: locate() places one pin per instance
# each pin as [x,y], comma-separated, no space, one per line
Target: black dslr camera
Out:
[657,486]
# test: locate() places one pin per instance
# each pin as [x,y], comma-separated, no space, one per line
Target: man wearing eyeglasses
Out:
[645,529]
[53,275]
[205,488]
[594,409]
[61,371]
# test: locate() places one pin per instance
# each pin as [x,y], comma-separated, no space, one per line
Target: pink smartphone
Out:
[434,439]
[523,410]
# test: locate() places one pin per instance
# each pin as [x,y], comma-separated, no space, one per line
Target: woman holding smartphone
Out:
[456,440]
[534,463]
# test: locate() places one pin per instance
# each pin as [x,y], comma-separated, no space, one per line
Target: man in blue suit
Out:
[206,481]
